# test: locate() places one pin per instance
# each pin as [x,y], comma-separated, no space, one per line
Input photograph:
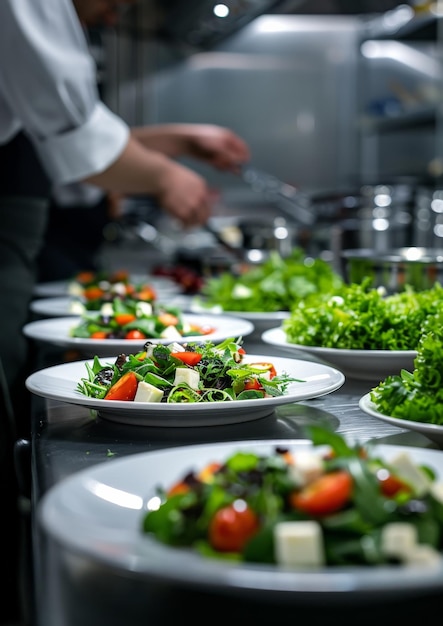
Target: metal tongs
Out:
[296,204]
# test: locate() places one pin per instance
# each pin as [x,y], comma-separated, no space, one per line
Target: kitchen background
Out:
[340,99]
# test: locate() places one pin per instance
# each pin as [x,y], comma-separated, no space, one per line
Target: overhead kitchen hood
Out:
[197,23]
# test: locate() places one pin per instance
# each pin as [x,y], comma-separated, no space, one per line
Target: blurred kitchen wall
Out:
[288,84]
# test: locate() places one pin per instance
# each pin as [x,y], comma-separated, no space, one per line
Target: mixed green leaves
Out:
[359,317]
[275,285]
[223,373]
[268,487]
[417,395]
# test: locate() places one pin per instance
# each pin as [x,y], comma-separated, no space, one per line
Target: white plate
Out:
[59,382]
[61,306]
[56,331]
[360,364]
[97,513]
[432,431]
[58,288]
[261,320]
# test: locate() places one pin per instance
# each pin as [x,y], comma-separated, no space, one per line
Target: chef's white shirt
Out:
[48,89]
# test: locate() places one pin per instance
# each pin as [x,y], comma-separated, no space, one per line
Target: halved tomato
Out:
[327,494]
[124,389]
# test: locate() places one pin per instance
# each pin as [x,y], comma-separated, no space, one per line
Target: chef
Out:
[54,131]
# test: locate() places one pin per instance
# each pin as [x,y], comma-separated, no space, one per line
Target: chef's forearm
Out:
[169,139]
[137,170]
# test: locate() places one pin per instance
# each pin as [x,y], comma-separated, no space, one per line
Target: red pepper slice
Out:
[124,318]
[190,358]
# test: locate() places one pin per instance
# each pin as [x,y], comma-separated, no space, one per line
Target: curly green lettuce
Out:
[359,317]
[416,395]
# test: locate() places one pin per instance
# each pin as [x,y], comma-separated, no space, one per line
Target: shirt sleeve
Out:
[48,81]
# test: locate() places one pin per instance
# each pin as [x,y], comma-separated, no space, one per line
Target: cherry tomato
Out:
[253,383]
[135,334]
[326,494]
[124,389]
[390,484]
[99,334]
[232,527]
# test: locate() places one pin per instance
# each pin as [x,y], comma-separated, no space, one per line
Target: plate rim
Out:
[259,316]
[365,403]
[265,407]
[337,351]
[246,577]
[122,344]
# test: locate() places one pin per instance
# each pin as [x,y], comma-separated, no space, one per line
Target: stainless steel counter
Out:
[72,590]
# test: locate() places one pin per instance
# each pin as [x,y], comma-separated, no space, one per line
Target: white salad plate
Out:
[97,513]
[373,365]
[58,288]
[60,382]
[56,331]
[62,306]
[432,431]
[262,320]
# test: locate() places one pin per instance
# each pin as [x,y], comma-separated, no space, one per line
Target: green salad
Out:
[133,319]
[335,504]
[275,285]
[184,373]
[359,317]
[417,395]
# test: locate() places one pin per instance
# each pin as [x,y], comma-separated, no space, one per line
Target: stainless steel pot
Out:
[393,269]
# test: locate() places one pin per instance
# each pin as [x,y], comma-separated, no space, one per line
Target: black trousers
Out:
[24,199]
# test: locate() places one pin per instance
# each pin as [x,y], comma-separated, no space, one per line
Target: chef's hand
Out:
[185,196]
[217,146]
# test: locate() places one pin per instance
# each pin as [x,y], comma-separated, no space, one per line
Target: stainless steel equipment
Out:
[420,268]
[293,202]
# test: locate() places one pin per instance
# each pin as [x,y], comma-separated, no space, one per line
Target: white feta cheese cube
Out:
[147,393]
[107,310]
[187,375]
[176,347]
[436,490]
[411,473]
[143,309]
[118,288]
[307,467]
[299,544]
[398,539]
[75,289]
[77,308]
[170,332]
[423,554]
